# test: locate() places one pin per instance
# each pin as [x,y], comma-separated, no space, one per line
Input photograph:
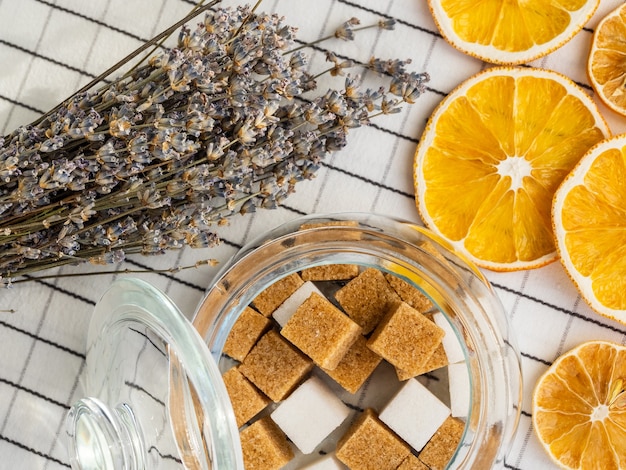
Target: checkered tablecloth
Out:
[49,48]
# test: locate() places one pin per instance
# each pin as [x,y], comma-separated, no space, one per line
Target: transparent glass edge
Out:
[154,309]
[502,410]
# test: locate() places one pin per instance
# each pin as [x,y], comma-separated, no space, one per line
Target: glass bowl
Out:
[411,252]
[154,394]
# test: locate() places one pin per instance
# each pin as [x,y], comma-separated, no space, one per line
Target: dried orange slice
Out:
[579,407]
[606,65]
[510,32]
[589,215]
[491,157]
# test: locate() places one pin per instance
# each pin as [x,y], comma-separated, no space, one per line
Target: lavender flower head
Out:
[158,159]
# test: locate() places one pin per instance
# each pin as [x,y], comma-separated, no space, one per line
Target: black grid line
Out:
[81,293]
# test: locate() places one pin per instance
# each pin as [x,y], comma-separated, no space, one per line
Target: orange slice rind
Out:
[579,408]
[589,218]
[510,32]
[606,65]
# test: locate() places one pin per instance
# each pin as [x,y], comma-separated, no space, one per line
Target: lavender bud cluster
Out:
[158,159]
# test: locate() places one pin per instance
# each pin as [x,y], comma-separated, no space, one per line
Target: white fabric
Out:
[49,48]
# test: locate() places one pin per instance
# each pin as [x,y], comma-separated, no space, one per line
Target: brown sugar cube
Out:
[439,450]
[369,443]
[412,463]
[366,298]
[264,446]
[330,272]
[355,367]
[246,399]
[409,294]
[332,223]
[275,366]
[321,331]
[315,232]
[406,338]
[438,360]
[271,297]
[245,332]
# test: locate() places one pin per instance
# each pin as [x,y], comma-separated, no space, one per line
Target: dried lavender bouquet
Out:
[225,123]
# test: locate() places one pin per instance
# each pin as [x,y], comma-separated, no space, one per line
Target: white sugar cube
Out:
[328,462]
[284,312]
[310,414]
[458,378]
[415,414]
[451,344]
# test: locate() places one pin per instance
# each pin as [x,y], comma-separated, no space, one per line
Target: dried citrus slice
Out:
[589,216]
[579,407]
[606,65]
[491,157]
[510,31]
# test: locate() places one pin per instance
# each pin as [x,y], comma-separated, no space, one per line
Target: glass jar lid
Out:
[155,398]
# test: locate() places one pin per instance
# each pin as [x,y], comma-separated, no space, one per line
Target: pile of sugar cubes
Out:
[327,373]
